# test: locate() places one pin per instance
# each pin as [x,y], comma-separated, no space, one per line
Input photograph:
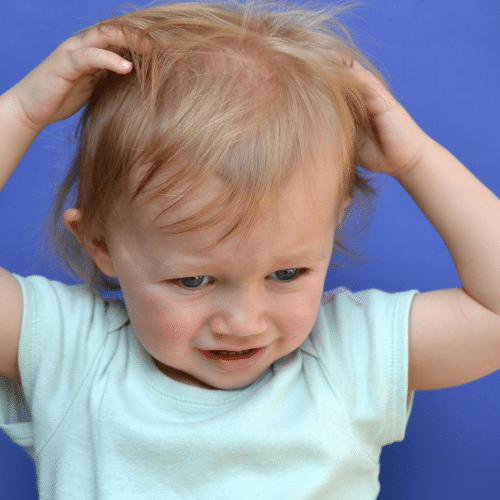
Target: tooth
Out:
[233,353]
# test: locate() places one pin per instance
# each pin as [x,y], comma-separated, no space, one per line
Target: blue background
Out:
[442,61]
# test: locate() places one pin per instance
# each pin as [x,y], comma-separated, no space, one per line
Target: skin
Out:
[242,302]
[454,334]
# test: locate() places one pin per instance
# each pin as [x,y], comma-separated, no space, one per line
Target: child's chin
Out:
[228,384]
[218,382]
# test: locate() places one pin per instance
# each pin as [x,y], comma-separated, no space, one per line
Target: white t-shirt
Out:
[102,422]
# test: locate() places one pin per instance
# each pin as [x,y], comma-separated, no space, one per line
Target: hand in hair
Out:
[63,82]
[394,143]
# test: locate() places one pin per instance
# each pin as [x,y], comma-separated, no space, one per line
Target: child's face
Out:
[258,291]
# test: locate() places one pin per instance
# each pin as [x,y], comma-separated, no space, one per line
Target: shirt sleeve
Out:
[364,351]
[62,330]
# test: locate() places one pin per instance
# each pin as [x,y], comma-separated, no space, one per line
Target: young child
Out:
[215,162]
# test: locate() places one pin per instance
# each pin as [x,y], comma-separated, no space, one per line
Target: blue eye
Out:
[193,281]
[287,274]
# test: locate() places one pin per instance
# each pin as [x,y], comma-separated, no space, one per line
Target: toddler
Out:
[214,168]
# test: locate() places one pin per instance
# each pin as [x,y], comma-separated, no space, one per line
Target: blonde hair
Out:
[239,92]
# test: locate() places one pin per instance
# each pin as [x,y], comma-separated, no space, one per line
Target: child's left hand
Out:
[397,143]
[453,334]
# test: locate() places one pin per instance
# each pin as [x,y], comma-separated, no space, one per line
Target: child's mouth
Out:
[235,361]
[232,354]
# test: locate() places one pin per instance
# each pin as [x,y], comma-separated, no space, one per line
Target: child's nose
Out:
[240,313]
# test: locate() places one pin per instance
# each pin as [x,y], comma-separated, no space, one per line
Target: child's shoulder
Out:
[369,300]
[64,329]
[361,343]
[372,318]
[53,301]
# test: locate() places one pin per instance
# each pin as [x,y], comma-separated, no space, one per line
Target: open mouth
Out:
[234,355]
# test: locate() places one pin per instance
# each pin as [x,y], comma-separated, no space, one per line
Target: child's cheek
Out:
[296,317]
[164,327]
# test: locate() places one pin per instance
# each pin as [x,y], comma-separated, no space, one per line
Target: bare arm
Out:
[15,136]
[53,91]
[454,334]
[15,139]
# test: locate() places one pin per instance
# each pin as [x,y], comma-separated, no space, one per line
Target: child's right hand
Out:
[63,83]
[53,91]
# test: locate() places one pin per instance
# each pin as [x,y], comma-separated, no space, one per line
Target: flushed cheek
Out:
[297,318]
[163,329]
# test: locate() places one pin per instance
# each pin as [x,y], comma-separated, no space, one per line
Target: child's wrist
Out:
[12,113]
[428,150]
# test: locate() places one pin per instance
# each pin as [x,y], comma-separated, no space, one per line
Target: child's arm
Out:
[53,91]
[454,334]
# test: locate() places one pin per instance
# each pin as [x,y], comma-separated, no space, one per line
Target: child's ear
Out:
[97,250]
[344,205]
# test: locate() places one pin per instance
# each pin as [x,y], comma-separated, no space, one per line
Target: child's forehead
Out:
[158,209]
[297,227]
[199,204]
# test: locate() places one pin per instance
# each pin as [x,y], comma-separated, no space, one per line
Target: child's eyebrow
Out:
[306,256]
[194,263]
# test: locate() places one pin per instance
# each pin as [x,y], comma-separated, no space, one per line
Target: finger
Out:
[91,59]
[110,38]
[376,93]
[363,75]
[373,85]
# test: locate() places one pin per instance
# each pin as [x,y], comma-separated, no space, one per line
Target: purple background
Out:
[442,61]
